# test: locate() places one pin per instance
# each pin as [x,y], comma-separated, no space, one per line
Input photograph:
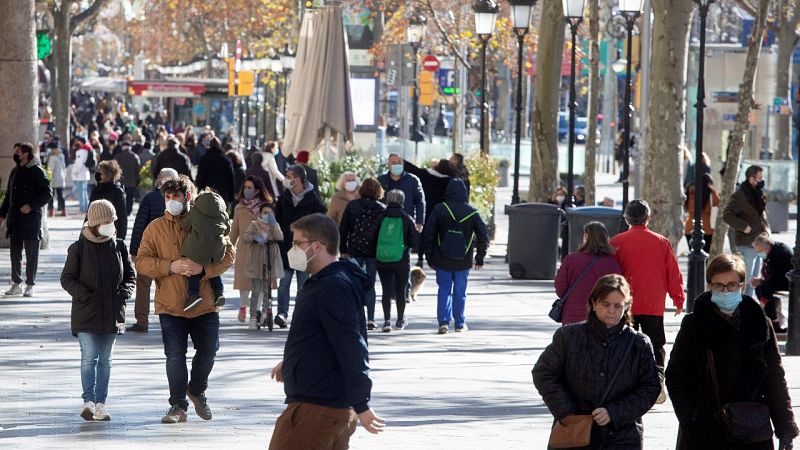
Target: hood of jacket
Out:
[456,191]
[210,204]
[307,187]
[348,270]
[394,211]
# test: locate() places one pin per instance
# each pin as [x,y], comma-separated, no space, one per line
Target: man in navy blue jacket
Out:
[325,367]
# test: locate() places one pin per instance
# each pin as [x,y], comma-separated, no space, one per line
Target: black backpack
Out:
[363,234]
[453,244]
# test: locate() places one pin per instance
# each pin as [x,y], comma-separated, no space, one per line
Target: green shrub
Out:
[145,179]
[483,179]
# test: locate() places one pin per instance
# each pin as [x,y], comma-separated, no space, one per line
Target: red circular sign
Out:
[430,63]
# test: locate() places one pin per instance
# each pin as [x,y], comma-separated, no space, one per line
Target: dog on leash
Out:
[417,280]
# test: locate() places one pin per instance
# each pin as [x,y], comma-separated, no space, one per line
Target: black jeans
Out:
[31,257]
[59,195]
[130,193]
[394,283]
[653,327]
[175,332]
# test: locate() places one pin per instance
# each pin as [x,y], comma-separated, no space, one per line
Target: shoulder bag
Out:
[557,310]
[575,430]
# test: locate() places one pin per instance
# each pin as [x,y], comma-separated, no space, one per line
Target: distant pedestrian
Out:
[254,168]
[650,266]
[215,171]
[726,361]
[151,208]
[580,271]
[171,157]
[453,232]
[709,199]
[434,182]
[238,169]
[81,171]
[129,163]
[600,373]
[159,258]
[109,188]
[398,178]
[777,258]
[311,173]
[746,212]
[325,366]
[57,167]
[27,192]
[346,191]
[276,172]
[99,276]
[461,171]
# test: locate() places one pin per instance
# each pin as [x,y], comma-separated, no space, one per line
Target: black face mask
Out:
[98,177]
[17,158]
[760,185]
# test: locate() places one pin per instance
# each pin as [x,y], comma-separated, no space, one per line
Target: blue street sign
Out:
[447,80]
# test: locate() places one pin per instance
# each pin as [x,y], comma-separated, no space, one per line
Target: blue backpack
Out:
[453,244]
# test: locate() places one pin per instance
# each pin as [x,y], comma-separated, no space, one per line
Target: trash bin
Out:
[533,240]
[580,216]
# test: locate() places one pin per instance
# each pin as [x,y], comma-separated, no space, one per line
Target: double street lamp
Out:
[485,18]
[414,34]
[630,11]
[573,14]
[697,257]
[521,12]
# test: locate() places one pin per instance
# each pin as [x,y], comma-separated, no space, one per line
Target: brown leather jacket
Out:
[161,244]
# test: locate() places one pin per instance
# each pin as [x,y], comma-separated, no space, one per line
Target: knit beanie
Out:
[302,157]
[100,211]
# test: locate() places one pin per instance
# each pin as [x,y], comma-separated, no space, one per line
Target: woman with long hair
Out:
[710,198]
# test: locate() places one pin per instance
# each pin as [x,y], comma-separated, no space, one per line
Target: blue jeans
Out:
[752,264]
[193,285]
[452,296]
[96,351]
[80,192]
[370,266]
[175,332]
[285,284]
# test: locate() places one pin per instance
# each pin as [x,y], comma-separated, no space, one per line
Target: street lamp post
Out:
[697,257]
[521,12]
[276,68]
[485,18]
[573,14]
[793,335]
[630,10]
[414,34]
[287,61]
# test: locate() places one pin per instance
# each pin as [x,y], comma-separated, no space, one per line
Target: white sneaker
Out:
[87,411]
[253,323]
[100,412]
[16,289]
[28,291]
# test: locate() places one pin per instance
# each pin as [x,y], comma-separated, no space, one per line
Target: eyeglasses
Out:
[730,287]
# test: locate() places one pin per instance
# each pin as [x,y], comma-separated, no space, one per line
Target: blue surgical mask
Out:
[762,255]
[396,169]
[727,301]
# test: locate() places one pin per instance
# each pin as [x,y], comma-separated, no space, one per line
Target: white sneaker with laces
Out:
[87,411]
[28,291]
[16,289]
[100,412]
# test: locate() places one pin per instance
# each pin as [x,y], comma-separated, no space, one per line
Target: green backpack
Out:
[391,242]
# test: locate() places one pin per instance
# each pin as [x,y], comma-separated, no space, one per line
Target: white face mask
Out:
[298,259]
[175,207]
[351,186]
[107,230]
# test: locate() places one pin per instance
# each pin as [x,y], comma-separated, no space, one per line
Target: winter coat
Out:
[650,267]
[438,223]
[286,212]
[100,278]
[708,227]
[773,271]
[741,212]
[242,218]
[58,170]
[27,185]
[113,192]
[410,238]
[256,266]
[151,207]
[575,305]
[337,205]
[79,170]
[238,178]
[573,372]
[414,205]
[350,218]
[748,366]
[275,176]
[434,184]
[214,170]
[160,246]
[312,177]
[146,156]
[208,227]
[325,360]
[129,163]
[173,159]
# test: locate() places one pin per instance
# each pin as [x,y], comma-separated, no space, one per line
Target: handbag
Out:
[557,310]
[575,430]
[743,422]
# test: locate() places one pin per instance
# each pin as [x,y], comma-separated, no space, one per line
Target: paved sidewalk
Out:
[457,391]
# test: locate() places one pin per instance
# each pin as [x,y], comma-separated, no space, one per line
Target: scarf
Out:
[253,205]
[755,196]
[87,233]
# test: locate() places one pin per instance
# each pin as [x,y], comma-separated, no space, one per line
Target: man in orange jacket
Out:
[649,265]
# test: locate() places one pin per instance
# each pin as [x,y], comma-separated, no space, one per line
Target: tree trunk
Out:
[594,101]
[787,39]
[544,152]
[62,77]
[667,115]
[736,139]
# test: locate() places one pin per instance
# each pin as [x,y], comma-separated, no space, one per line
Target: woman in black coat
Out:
[99,276]
[215,170]
[746,358]
[109,188]
[575,371]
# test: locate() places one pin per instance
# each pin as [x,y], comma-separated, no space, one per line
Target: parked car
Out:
[581,128]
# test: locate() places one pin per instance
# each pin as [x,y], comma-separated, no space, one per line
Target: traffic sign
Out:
[430,63]
[427,90]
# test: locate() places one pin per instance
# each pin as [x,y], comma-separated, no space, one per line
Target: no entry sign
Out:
[430,63]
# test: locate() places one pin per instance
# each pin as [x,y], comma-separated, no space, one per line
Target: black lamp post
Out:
[485,18]
[793,335]
[287,61]
[697,257]
[521,12]
[630,10]
[573,14]
[414,34]
[276,68]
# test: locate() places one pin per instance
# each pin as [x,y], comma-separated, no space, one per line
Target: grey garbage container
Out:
[533,240]
[580,216]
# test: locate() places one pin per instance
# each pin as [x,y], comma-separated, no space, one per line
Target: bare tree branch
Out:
[446,36]
[87,14]
[746,6]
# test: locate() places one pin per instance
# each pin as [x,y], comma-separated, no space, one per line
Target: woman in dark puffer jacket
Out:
[573,372]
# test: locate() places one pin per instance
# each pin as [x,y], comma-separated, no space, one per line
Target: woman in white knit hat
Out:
[100,278]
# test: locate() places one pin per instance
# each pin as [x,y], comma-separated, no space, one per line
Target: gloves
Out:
[785,443]
[260,240]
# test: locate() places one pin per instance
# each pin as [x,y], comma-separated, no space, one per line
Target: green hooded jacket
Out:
[208,226]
